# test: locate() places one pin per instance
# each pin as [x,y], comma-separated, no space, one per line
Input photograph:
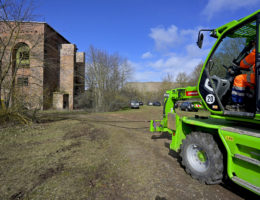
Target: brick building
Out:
[49,70]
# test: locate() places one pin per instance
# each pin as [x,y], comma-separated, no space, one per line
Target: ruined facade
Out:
[49,72]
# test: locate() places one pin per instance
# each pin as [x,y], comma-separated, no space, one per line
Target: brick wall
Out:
[67,65]
[54,66]
[30,34]
[52,45]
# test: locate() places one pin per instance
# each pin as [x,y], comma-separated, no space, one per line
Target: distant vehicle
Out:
[188,106]
[150,103]
[141,103]
[134,104]
[156,103]
[177,104]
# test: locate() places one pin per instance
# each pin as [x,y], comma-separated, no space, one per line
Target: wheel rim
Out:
[197,158]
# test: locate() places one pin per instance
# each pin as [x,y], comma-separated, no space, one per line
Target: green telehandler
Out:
[227,140]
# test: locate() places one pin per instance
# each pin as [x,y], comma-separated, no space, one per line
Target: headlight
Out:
[166,95]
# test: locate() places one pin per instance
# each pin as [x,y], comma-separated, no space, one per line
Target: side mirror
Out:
[200,40]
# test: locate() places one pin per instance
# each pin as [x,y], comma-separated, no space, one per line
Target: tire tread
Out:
[215,173]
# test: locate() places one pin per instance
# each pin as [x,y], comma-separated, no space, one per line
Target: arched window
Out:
[22,55]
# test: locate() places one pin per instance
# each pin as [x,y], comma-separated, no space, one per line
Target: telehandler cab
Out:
[227,140]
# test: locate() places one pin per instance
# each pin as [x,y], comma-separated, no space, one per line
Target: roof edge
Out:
[35,22]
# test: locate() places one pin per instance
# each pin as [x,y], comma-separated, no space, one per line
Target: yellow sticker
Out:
[229,138]
[215,107]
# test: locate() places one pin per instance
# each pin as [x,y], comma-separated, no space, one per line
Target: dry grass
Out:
[76,155]
[65,159]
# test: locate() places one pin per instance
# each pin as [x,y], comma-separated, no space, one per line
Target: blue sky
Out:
[156,36]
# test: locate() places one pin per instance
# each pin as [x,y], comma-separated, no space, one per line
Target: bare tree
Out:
[194,76]
[182,79]
[168,81]
[166,84]
[227,51]
[106,75]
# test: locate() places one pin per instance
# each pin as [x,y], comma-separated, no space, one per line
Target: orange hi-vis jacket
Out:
[244,80]
[248,61]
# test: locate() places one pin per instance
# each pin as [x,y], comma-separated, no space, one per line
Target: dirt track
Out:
[98,156]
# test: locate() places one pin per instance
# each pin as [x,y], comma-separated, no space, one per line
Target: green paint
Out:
[221,33]
[239,135]
[202,156]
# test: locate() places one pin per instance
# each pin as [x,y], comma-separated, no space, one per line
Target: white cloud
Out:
[157,64]
[192,33]
[193,51]
[170,38]
[147,55]
[215,6]
[180,53]
[155,71]
[137,66]
[165,38]
[176,64]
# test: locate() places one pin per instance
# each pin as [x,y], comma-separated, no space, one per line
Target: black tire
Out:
[202,158]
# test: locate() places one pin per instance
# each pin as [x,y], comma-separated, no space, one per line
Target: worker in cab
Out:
[244,80]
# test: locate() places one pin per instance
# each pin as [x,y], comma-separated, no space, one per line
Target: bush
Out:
[13,117]
[118,103]
[84,101]
[112,101]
